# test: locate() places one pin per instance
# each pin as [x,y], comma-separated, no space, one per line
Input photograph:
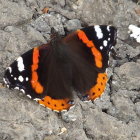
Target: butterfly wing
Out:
[49,73]
[18,74]
[100,39]
[29,74]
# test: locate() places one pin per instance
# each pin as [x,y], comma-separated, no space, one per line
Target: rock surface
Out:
[116,115]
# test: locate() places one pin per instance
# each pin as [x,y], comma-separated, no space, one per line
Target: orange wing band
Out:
[97,90]
[55,104]
[97,55]
[34,81]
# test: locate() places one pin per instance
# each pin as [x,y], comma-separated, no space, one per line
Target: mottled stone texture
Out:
[115,116]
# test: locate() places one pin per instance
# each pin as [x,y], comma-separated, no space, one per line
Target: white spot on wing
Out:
[112,47]
[105,43]
[47,107]
[29,96]
[10,69]
[87,101]
[108,28]
[4,81]
[44,106]
[56,111]
[27,79]
[108,62]
[64,110]
[108,39]
[20,78]
[15,78]
[72,107]
[106,71]
[98,31]
[101,47]
[22,90]
[16,88]
[20,64]
[37,99]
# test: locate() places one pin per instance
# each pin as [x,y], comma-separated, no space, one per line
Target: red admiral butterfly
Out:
[50,73]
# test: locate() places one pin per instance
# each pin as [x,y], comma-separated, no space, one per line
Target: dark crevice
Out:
[105,110]
[136,1]
[86,133]
[134,59]
[137,90]
[36,14]
[110,83]
[135,99]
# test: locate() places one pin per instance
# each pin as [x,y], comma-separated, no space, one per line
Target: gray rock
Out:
[25,119]
[133,52]
[116,115]
[90,11]
[31,3]
[41,25]
[60,2]
[137,109]
[15,41]
[127,50]
[13,13]
[52,137]
[124,106]
[76,134]
[73,24]
[46,21]
[103,126]
[35,36]
[5,136]
[128,75]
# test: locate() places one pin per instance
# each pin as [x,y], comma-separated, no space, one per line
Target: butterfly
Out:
[51,72]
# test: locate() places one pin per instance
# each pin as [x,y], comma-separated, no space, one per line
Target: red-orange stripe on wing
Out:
[55,104]
[97,90]
[34,80]
[97,55]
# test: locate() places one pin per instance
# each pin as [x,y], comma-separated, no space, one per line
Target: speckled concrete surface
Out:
[115,116]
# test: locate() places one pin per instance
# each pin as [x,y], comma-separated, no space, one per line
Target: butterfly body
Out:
[49,73]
